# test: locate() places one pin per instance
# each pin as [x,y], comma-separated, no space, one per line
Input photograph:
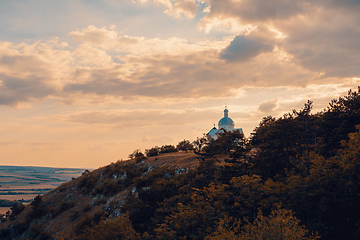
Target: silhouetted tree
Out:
[185,145]
[152,151]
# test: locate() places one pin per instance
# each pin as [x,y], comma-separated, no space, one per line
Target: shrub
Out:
[65,206]
[168,149]
[280,224]
[36,209]
[88,182]
[16,209]
[137,155]
[36,232]
[115,228]
[152,151]
[84,221]
[185,145]
[108,187]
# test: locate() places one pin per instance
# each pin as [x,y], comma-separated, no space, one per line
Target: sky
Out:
[84,83]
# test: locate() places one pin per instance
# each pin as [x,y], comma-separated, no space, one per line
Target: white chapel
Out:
[225,123]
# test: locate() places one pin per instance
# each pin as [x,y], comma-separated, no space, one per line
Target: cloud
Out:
[154,68]
[186,71]
[26,74]
[185,76]
[102,37]
[175,68]
[176,8]
[160,139]
[326,42]
[255,10]
[269,106]
[239,15]
[290,45]
[115,43]
[320,35]
[243,48]
[136,118]
[15,90]
[272,12]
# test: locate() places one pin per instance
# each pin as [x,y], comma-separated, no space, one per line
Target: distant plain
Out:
[25,182]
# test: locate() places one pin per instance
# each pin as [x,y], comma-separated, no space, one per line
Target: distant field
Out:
[24,183]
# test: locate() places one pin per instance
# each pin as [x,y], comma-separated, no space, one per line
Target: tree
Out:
[332,191]
[168,149]
[137,155]
[196,218]
[200,143]
[280,224]
[16,209]
[115,228]
[152,151]
[248,192]
[283,145]
[36,208]
[337,121]
[185,145]
[226,142]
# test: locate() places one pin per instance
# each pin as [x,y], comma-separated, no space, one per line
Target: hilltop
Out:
[296,177]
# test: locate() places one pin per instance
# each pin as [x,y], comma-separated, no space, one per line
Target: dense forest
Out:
[296,177]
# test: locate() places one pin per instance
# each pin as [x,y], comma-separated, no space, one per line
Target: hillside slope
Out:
[64,211]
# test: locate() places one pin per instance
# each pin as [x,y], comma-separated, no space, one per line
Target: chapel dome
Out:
[226,120]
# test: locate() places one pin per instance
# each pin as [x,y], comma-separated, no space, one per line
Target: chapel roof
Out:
[226,120]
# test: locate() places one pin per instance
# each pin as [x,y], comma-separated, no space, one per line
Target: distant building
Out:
[225,123]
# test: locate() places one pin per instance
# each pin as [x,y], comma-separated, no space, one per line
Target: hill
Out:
[296,177]
[74,204]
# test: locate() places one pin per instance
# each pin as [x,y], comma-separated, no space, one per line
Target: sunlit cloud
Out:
[178,8]
[268,106]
